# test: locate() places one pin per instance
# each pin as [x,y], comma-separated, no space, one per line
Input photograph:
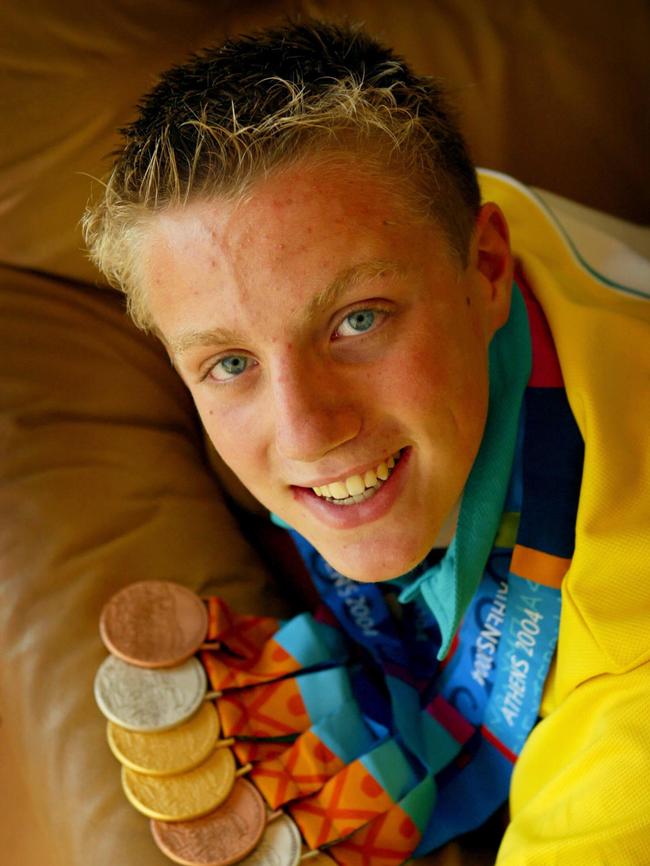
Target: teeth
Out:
[338,490]
[355,485]
[356,488]
[370,478]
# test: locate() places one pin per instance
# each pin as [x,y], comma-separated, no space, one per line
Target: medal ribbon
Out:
[315,756]
[303,642]
[284,707]
[390,838]
[242,634]
[362,790]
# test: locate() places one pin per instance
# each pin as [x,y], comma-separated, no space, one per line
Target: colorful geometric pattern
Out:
[242,634]
[316,755]
[302,642]
[390,838]
[360,792]
[255,751]
[270,710]
[299,771]
[346,802]
[284,707]
[270,664]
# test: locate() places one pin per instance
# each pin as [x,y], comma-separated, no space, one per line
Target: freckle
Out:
[468,301]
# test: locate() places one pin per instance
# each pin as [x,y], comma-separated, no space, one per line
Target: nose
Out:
[315,410]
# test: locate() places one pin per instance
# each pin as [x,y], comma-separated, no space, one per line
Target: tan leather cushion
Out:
[553,93]
[103,482]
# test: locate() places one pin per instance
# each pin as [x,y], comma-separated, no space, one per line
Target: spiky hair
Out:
[234,113]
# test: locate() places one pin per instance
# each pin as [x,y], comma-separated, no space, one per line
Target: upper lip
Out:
[346,473]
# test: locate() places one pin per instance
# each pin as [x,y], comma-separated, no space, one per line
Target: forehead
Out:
[311,194]
[295,230]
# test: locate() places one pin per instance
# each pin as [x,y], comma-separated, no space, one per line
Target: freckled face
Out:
[321,328]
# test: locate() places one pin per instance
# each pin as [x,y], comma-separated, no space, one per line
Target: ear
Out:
[492,263]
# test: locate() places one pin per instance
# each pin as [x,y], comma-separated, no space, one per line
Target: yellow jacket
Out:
[580,793]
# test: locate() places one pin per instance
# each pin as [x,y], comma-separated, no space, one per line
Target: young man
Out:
[296,217]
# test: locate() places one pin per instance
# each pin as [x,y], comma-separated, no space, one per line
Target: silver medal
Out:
[142,699]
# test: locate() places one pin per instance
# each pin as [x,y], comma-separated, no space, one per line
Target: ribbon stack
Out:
[282,709]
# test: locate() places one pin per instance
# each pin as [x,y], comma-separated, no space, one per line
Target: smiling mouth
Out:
[358,488]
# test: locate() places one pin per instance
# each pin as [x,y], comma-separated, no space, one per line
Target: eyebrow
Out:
[343,282]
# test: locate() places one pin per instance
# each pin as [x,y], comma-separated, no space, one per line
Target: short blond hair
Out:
[233,114]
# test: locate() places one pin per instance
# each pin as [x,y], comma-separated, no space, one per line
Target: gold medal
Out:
[167,753]
[186,795]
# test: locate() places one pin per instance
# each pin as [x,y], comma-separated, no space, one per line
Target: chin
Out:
[364,569]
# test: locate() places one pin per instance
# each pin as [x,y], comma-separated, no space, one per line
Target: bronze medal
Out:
[153,624]
[221,838]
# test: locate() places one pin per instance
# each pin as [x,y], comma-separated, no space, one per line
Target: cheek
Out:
[439,385]
[421,374]
[241,451]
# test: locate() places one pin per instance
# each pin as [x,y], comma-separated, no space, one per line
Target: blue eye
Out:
[358,322]
[229,367]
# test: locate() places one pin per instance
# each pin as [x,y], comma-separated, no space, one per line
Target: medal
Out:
[153,624]
[224,836]
[185,795]
[164,753]
[142,699]
[288,705]
[280,845]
